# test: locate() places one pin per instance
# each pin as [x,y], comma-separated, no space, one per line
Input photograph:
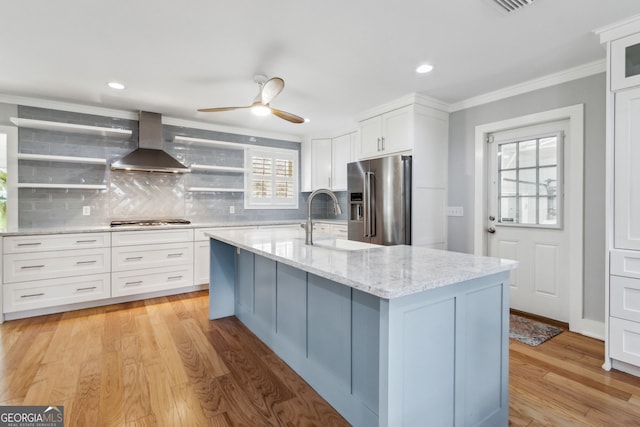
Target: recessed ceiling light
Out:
[115,85]
[424,68]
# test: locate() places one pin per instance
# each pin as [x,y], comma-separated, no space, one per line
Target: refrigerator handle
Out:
[369,205]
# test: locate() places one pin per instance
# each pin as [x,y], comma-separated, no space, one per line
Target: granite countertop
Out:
[384,271]
[213,224]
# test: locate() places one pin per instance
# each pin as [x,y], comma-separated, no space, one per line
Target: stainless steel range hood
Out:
[149,156]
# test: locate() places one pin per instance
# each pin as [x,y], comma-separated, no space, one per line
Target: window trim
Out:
[559,134]
[251,202]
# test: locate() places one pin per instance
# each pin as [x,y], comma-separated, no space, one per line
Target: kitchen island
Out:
[389,336]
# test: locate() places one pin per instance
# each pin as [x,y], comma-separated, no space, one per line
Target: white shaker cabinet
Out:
[387,133]
[320,163]
[341,155]
[626,170]
[622,322]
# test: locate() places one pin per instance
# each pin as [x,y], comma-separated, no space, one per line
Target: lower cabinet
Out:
[624,307]
[165,263]
[42,271]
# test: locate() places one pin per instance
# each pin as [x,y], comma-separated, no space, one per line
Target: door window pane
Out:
[529,182]
[632,61]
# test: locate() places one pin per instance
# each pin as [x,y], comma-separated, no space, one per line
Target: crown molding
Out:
[619,29]
[575,73]
[134,115]
[411,99]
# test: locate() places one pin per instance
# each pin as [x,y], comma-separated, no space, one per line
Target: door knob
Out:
[491,230]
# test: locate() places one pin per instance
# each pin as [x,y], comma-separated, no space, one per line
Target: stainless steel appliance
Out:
[379,197]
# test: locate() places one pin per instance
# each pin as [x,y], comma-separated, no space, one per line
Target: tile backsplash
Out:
[131,195]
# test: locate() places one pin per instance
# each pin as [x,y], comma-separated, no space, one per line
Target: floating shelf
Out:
[222,144]
[65,159]
[69,127]
[217,168]
[65,186]
[216,190]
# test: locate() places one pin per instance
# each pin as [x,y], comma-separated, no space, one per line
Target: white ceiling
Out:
[337,57]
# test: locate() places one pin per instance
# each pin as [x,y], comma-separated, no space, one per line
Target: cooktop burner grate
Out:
[149,222]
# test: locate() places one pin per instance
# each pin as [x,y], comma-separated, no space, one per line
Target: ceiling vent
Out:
[508,6]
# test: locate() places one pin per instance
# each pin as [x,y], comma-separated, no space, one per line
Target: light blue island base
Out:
[434,358]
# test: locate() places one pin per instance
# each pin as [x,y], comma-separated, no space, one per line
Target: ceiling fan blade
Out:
[287,116]
[215,110]
[271,89]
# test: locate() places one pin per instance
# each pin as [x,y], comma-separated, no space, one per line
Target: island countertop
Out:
[385,271]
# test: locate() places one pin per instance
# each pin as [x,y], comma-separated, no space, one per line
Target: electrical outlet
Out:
[232,209]
[455,211]
[86,210]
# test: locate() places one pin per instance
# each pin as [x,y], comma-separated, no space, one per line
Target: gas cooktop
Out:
[149,222]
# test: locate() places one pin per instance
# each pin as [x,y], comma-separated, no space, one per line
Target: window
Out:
[272,179]
[529,181]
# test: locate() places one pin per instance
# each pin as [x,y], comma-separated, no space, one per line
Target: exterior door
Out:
[526,212]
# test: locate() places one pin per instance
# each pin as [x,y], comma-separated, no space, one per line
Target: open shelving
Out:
[69,127]
[63,159]
[211,142]
[229,169]
[63,186]
[214,190]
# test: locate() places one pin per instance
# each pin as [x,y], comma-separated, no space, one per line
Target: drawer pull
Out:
[138,282]
[86,262]
[30,244]
[26,267]
[86,289]
[174,278]
[32,295]
[174,255]
[133,258]
[86,241]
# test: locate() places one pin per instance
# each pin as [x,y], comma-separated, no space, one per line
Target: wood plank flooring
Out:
[161,362]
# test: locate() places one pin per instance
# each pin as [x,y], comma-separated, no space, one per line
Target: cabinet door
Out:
[625,62]
[396,131]
[201,263]
[627,172]
[370,137]
[321,163]
[340,156]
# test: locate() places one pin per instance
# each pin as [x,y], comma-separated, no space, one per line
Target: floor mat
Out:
[529,331]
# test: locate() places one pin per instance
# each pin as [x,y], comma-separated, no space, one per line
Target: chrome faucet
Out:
[308,226]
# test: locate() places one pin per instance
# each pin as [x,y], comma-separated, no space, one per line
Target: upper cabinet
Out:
[324,162]
[386,133]
[625,62]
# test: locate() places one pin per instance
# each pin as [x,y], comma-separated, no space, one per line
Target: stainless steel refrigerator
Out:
[379,197]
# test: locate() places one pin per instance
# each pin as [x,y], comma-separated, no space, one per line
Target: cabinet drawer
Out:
[624,340]
[126,258]
[54,292]
[340,231]
[127,238]
[150,280]
[49,265]
[48,242]
[625,298]
[625,263]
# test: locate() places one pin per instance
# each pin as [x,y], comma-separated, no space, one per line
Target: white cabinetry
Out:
[622,332]
[627,173]
[43,271]
[387,133]
[324,162]
[201,255]
[320,163]
[147,261]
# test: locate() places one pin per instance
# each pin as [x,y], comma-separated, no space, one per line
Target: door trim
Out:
[574,196]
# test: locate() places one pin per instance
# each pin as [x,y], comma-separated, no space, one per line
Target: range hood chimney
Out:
[149,156]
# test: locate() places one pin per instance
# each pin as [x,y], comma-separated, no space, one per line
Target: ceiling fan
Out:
[269,89]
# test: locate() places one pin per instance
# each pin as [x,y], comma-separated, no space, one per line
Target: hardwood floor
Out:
[162,362]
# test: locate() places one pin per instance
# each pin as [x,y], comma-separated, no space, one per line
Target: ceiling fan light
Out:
[260,110]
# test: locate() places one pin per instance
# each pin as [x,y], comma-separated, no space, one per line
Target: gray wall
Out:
[589,91]
[132,195]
